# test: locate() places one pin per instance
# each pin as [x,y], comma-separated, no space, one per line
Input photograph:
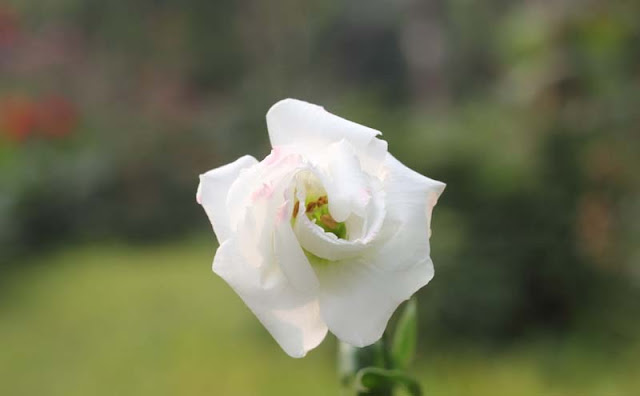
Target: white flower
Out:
[328,232]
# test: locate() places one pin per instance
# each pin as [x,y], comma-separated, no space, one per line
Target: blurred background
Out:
[109,111]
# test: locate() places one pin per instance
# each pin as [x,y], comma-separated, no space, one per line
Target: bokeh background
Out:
[109,110]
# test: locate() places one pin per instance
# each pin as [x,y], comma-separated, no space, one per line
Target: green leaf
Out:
[375,380]
[405,336]
[351,359]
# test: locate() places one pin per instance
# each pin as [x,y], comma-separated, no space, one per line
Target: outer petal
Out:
[409,194]
[262,261]
[311,128]
[357,297]
[291,316]
[212,193]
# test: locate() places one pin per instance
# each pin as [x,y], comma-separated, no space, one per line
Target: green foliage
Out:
[378,381]
[351,359]
[405,336]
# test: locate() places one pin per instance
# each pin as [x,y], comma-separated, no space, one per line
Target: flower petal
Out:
[347,186]
[358,296]
[212,193]
[291,257]
[262,184]
[291,316]
[409,193]
[362,232]
[311,128]
[323,244]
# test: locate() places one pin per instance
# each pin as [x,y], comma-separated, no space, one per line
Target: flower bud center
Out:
[317,210]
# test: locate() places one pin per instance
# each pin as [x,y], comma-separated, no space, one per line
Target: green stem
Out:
[377,369]
[352,359]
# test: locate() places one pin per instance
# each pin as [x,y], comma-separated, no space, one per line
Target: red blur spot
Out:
[52,117]
[18,118]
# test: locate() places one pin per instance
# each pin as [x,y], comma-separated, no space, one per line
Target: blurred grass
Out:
[86,321]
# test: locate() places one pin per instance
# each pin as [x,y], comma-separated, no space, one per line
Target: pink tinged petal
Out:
[275,156]
[259,183]
[268,263]
[283,212]
[290,315]
[264,192]
[213,190]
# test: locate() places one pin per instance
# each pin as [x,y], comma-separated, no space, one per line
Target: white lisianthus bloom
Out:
[328,232]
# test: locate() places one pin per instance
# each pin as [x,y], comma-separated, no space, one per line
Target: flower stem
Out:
[376,370]
[351,360]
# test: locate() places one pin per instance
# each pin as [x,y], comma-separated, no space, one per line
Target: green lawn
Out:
[114,320]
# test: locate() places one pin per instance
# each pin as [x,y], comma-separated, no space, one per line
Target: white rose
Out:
[328,232]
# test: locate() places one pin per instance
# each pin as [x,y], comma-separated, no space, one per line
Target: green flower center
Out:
[317,210]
